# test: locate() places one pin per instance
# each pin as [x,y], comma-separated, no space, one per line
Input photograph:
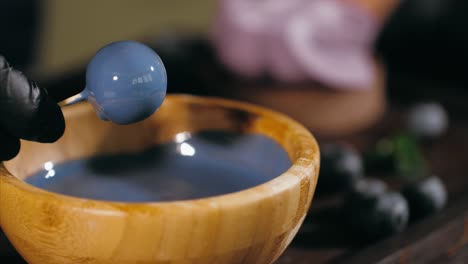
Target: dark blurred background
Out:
[424,43]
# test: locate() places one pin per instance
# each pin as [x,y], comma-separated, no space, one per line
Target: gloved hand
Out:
[26,112]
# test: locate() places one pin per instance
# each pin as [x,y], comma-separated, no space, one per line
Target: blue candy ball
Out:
[126,82]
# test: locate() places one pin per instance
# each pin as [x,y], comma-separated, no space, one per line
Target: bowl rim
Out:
[304,167]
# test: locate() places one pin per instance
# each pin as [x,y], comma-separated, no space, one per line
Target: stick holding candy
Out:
[125,82]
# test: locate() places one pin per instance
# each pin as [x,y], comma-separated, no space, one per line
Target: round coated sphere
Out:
[126,82]
[428,120]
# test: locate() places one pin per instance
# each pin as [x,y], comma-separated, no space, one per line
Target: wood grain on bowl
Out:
[251,226]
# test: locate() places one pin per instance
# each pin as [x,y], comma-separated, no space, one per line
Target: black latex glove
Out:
[26,112]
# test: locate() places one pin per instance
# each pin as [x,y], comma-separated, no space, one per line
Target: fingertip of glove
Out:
[47,124]
[51,125]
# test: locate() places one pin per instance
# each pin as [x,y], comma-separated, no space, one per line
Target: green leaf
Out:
[410,162]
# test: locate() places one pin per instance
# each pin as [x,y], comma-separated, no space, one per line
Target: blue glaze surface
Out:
[193,166]
[126,82]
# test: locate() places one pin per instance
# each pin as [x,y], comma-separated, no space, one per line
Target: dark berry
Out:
[340,167]
[425,197]
[427,120]
[374,213]
[365,191]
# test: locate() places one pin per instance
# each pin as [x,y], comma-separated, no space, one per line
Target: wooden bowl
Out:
[254,225]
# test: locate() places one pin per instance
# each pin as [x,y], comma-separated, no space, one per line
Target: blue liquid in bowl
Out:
[207,164]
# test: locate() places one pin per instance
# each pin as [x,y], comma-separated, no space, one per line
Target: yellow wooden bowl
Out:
[254,225]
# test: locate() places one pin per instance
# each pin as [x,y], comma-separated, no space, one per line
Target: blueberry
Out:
[365,191]
[341,166]
[425,197]
[427,120]
[373,212]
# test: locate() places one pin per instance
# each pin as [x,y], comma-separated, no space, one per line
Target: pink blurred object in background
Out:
[242,29]
[329,41]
